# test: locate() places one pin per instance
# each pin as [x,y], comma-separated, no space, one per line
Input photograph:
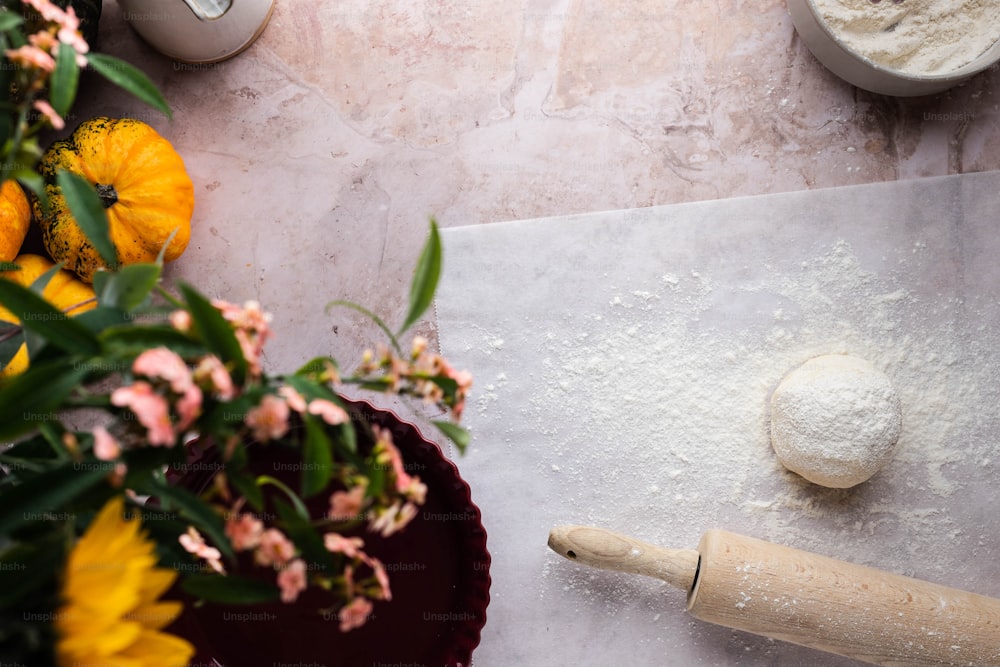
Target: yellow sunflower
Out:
[110,614]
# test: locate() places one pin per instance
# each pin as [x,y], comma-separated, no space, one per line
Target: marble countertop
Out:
[319,154]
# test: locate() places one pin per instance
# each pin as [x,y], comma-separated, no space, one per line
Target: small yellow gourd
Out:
[142,183]
[15,218]
[64,291]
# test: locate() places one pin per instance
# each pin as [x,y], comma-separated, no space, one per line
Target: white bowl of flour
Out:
[900,47]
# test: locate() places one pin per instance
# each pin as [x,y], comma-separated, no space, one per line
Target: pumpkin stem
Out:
[107,194]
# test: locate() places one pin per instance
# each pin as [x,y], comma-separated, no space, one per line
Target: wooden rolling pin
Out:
[799,597]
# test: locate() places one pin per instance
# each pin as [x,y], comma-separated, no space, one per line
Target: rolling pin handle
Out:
[608,550]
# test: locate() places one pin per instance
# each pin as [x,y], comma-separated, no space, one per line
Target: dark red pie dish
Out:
[438,565]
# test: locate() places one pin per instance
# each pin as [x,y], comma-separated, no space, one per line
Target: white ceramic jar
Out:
[198,31]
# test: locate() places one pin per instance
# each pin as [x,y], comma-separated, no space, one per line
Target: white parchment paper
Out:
[623,364]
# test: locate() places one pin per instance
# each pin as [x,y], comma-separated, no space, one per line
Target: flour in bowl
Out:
[915,36]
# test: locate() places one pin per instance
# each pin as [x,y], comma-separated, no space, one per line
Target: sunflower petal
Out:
[110,614]
[159,649]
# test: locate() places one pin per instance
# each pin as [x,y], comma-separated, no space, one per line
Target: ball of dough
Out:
[835,420]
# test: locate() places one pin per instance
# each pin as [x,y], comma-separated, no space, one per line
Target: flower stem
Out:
[297,503]
[174,301]
[373,317]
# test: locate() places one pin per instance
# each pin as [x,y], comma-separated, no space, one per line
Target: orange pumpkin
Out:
[15,218]
[142,183]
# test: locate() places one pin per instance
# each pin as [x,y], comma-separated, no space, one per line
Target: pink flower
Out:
[292,580]
[252,329]
[348,581]
[274,548]
[435,365]
[269,420]
[415,491]
[46,41]
[338,544]
[464,381]
[161,363]
[67,26]
[212,374]
[188,407]
[419,346]
[49,10]
[249,317]
[244,531]
[117,476]
[30,56]
[230,311]
[381,577]
[106,448]
[164,364]
[294,398]
[251,349]
[330,412]
[150,408]
[181,320]
[388,453]
[69,33]
[194,543]
[389,520]
[355,614]
[346,505]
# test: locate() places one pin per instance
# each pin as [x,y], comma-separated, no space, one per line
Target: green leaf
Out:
[9,20]
[128,288]
[9,266]
[317,458]
[36,449]
[318,367]
[130,79]
[448,386]
[102,317]
[166,244]
[32,181]
[49,492]
[425,278]
[65,78]
[230,589]
[32,396]
[225,418]
[311,390]
[455,433]
[88,211]
[11,339]
[39,284]
[215,332]
[33,339]
[26,567]
[144,337]
[38,315]
[191,507]
[347,443]
[52,433]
